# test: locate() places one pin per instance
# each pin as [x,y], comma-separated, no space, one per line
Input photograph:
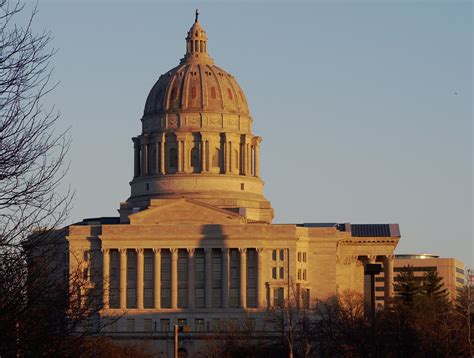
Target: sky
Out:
[365,108]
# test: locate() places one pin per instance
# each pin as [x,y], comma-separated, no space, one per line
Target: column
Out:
[186,156]
[157,156]
[136,148]
[180,155]
[260,280]
[123,279]
[174,278]
[204,156]
[105,278]
[388,278]
[243,278]
[225,278]
[208,267]
[140,267]
[191,279]
[228,154]
[257,159]
[162,153]
[157,278]
[249,159]
[243,151]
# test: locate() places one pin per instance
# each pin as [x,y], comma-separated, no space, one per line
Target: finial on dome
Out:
[197,15]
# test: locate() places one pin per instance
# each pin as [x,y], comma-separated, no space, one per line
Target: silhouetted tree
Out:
[433,286]
[407,286]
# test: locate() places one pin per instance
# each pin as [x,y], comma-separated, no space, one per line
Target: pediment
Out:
[183,212]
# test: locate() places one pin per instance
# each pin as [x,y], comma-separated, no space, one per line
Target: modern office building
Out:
[450,269]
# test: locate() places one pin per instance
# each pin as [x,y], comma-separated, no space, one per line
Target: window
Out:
[147,325]
[307,299]
[304,275]
[216,325]
[234,297]
[173,158]
[282,273]
[251,297]
[131,279]
[199,324]
[299,274]
[199,298]
[379,289]
[165,325]
[282,255]
[216,298]
[299,256]
[460,280]
[165,279]
[274,255]
[460,270]
[148,298]
[213,92]
[182,278]
[195,159]
[182,322]
[304,256]
[130,325]
[274,273]
[278,297]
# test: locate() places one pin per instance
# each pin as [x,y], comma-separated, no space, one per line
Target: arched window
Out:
[173,158]
[216,158]
[213,93]
[195,159]
[174,92]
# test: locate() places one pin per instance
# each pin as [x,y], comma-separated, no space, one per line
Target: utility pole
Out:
[469,312]
[176,334]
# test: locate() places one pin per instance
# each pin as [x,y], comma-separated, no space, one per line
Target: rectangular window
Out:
[131,298]
[182,297]
[282,273]
[216,325]
[130,325]
[199,324]
[165,325]
[199,297]
[278,297]
[299,256]
[182,322]
[114,298]
[165,279]
[299,274]
[304,275]
[274,273]
[282,255]
[307,299]
[147,325]
[274,255]
[199,263]
[165,298]
[148,298]
[251,297]
[304,256]
[148,266]
[234,297]
[216,298]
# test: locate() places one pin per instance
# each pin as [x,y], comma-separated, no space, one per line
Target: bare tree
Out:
[32,164]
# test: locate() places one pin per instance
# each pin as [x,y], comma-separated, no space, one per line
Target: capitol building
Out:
[194,244]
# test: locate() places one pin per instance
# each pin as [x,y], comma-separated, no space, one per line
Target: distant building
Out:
[450,269]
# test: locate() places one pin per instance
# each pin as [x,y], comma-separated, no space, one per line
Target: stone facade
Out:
[195,242]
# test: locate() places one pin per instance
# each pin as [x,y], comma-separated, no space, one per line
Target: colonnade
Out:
[225,284]
[159,155]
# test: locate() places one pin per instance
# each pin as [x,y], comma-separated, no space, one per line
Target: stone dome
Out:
[197,140]
[196,84]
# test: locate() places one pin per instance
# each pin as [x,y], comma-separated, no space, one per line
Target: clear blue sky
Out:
[365,108]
